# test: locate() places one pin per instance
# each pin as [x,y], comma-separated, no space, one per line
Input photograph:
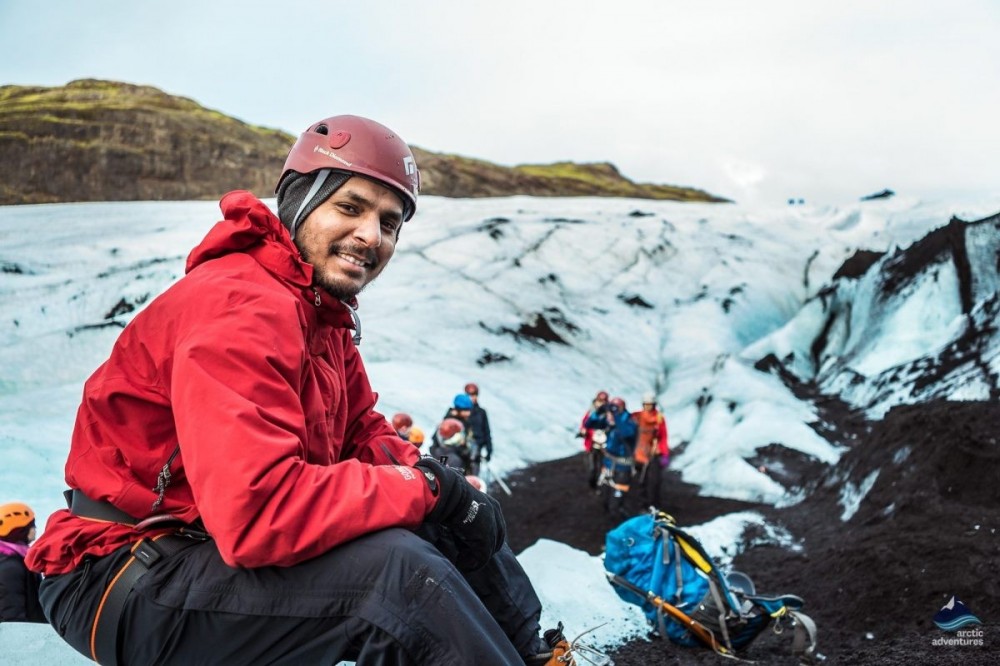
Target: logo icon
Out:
[954,615]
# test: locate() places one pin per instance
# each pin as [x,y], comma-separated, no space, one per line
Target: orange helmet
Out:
[359,146]
[416,436]
[451,432]
[14,516]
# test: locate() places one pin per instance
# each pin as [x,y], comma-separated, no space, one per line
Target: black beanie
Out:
[295,188]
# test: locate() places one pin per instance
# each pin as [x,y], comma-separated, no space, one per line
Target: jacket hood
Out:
[250,227]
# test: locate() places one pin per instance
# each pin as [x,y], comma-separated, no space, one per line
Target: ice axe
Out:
[703,633]
[493,477]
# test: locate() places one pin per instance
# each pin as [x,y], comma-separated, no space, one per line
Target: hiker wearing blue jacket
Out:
[616,477]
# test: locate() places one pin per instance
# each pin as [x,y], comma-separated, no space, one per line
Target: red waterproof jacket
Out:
[255,376]
[588,433]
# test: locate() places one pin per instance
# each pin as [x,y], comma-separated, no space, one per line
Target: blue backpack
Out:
[654,564]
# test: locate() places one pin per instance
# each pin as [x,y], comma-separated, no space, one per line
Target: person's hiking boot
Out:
[557,653]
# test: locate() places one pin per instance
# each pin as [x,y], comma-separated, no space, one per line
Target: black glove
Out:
[473,518]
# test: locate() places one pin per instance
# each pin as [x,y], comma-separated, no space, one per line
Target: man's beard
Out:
[342,290]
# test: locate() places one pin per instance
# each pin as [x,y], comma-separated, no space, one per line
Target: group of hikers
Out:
[234,496]
[462,439]
[625,448]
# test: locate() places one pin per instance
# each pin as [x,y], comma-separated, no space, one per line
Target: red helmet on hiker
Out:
[471,389]
[401,420]
[618,402]
[451,432]
[361,146]
[602,396]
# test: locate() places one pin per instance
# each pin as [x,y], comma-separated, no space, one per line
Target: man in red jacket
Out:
[235,496]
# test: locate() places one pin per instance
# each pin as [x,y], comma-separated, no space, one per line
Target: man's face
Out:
[351,237]
[649,406]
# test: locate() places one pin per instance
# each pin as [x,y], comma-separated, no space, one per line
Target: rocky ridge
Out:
[94,140]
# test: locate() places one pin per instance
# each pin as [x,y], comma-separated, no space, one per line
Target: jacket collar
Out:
[10,548]
[250,227]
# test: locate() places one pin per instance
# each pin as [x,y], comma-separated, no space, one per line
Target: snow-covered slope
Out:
[543,302]
[540,301]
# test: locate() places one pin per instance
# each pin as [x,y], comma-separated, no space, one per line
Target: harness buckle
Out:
[147,553]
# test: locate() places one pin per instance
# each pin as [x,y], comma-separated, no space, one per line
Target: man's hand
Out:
[474,518]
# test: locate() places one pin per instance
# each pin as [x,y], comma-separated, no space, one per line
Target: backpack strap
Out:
[723,612]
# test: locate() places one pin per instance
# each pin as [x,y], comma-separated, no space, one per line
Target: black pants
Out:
[387,598]
[649,483]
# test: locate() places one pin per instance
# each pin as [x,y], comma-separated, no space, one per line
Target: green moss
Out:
[91,98]
[126,119]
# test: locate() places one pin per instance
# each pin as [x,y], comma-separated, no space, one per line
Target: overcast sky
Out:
[755,101]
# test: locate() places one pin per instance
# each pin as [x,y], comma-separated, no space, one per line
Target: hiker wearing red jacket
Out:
[236,497]
[594,438]
[652,451]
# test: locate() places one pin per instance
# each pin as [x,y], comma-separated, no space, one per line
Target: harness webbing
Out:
[146,553]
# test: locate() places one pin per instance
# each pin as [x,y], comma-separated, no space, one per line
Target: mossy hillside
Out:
[458,176]
[105,140]
[95,140]
[93,110]
[89,100]
[605,177]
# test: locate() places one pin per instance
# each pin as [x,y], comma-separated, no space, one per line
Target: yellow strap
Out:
[694,555]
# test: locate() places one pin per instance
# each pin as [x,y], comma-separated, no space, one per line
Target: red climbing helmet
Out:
[451,432]
[618,402]
[357,145]
[602,396]
[401,420]
[471,389]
